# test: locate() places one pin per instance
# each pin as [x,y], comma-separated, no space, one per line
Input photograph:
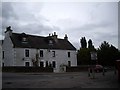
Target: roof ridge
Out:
[30,35]
[38,36]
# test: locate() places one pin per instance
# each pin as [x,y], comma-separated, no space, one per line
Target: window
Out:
[27,64]
[41,53]
[3,55]
[53,64]
[26,53]
[50,42]
[68,54]
[53,53]
[41,64]
[24,39]
[69,63]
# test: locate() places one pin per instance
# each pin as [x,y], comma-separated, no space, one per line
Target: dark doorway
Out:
[69,63]
[2,64]
[41,64]
[54,64]
[27,64]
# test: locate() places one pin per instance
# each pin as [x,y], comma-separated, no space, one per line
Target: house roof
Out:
[40,42]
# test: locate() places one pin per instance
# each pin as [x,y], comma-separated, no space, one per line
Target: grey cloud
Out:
[77,45]
[112,38]
[7,10]
[8,15]
[93,26]
[16,20]
[33,28]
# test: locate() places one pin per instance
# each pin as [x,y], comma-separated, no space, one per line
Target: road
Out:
[59,80]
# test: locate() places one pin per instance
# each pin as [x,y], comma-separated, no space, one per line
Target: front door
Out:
[69,63]
[27,64]
[41,64]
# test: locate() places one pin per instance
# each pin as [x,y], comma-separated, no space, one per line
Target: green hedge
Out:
[76,69]
[26,69]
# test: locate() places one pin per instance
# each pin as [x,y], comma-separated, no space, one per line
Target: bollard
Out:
[88,72]
[118,67]
[93,73]
[103,72]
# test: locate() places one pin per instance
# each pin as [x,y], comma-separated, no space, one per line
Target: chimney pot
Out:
[54,33]
[66,37]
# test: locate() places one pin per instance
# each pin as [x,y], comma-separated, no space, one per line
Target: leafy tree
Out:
[90,44]
[83,56]
[83,42]
[107,54]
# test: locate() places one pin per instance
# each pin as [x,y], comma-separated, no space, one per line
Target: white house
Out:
[0,54]
[20,49]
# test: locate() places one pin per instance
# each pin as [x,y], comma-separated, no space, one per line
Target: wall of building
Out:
[0,56]
[61,57]
[7,47]
[16,56]
[20,57]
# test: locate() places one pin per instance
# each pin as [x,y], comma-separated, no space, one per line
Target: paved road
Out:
[59,80]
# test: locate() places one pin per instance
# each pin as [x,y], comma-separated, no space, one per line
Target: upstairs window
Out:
[68,54]
[24,39]
[53,53]
[50,42]
[26,53]
[41,53]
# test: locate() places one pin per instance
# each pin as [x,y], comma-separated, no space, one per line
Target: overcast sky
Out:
[94,20]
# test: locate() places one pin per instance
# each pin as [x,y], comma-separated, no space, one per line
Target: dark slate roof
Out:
[40,42]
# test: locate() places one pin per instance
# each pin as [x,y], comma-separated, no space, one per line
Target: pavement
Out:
[60,80]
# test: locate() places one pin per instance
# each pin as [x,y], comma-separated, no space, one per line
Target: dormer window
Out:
[50,42]
[24,39]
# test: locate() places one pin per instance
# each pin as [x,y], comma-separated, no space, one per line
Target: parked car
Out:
[98,68]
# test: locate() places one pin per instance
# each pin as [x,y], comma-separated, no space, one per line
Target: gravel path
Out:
[60,80]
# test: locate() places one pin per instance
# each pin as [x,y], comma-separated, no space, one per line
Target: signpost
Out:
[93,63]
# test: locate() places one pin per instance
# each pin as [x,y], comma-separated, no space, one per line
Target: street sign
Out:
[93,55]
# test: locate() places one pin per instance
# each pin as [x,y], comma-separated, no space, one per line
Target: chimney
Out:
[54,33]
[66,38]
[8,31]
[55,37]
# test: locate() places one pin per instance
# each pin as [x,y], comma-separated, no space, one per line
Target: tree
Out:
[83,56]
[90,44]
[83,42]
[107,54]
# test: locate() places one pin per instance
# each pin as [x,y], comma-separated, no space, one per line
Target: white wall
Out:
[8,51]
[61,57]
[20,58]
[0,56]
